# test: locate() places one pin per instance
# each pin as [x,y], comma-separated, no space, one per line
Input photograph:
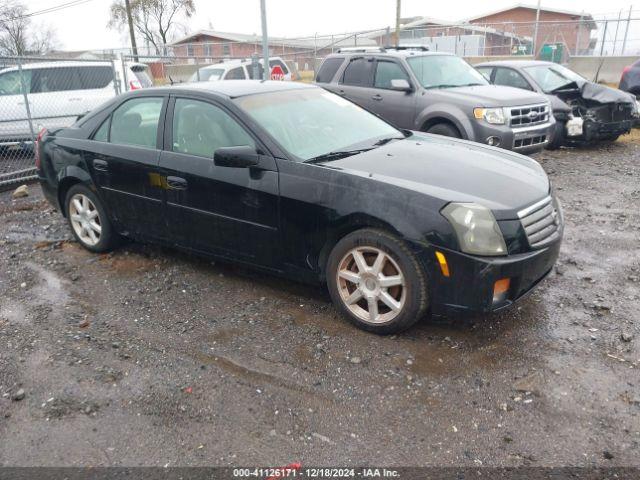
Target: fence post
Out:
[626,31]
[125,79]
[604,36]
[26,101]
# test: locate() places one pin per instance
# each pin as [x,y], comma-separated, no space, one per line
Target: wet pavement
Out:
[148,356]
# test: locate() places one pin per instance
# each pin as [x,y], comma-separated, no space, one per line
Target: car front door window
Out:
[200,128]
[387,71]
[510,78]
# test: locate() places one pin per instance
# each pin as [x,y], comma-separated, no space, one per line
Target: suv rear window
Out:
[328,69]
[358,72]
[273,63]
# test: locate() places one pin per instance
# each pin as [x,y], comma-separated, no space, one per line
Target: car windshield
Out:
[310,123]
[444,71]
[553,77]
[207,75]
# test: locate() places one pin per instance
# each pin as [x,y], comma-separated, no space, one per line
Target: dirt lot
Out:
[147,356]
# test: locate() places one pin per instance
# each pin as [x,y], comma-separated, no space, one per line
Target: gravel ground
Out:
[147,356]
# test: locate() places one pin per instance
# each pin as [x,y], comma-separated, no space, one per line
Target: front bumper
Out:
[469,288]
[594,130]
[522,140]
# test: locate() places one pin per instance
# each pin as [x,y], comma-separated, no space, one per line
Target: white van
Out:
[58,92]
[241,70]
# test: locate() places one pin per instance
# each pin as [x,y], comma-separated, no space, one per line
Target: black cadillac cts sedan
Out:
[298,181]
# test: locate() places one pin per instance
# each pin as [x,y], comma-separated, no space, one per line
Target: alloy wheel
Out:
[85,219]
[371,285]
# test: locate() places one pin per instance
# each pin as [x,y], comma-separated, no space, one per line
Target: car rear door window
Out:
[135,122]
[510,78]
[250,71]
[95,77]
[359,72]
[328,69]
[60,79]
[235,74]
[200,128]
[102,134]
[387,71]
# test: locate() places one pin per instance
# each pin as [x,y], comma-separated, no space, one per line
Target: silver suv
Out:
[439,93]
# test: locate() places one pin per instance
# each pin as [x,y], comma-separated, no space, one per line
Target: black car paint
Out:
[284,216]
[630,79]
[610,110]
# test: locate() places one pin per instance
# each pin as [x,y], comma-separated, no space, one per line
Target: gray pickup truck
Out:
[439,93]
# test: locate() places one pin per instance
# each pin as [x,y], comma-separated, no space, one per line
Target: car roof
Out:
[241,88]
[37,65]
[235,62]
[514,63]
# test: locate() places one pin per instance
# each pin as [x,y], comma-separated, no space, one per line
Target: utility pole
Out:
[266,70]
[397,35]
[134,47]
[535,31]
[626,31]
[577,51]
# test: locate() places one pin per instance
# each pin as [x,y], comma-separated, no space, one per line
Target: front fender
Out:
[447,112]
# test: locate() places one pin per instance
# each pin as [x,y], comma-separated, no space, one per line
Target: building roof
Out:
[585,16]
[307,42]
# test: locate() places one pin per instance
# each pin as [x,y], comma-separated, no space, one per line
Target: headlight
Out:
[491,115]
[476,228]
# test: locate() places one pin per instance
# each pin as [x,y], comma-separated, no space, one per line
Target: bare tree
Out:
[17,37]
[154,20]
[13,28]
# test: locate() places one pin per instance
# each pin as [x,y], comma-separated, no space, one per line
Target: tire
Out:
[444,129]
[86,214]
[610,138]
[558,137]
[355,294]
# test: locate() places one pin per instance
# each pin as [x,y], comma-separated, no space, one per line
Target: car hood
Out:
[454,170]
[490,96]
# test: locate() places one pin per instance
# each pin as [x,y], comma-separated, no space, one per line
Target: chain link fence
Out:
[51,92]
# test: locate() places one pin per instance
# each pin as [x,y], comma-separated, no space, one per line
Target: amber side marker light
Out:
[444,267]
[500,289]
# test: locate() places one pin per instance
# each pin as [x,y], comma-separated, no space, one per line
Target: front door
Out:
[396,107]
[222,210]
[123,158]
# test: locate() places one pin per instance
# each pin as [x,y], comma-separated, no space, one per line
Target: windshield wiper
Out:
[387,140]
[337,155]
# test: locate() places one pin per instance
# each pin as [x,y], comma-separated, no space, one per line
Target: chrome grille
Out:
[542,222]
[529,115]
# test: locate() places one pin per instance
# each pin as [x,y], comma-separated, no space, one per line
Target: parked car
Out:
[58,92]
[584,111]
[630,79]
[438,93]
[295,180]
[242,69]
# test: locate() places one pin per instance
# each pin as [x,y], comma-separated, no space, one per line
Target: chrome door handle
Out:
[176,183]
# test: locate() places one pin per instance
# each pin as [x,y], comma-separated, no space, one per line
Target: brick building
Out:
[209,46]
[555,26]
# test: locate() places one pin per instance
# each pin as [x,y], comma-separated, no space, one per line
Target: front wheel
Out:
[444,129]
[376,282]
[88,220]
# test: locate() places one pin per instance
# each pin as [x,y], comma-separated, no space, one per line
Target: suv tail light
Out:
[36,147]
[135,85]
[624,71]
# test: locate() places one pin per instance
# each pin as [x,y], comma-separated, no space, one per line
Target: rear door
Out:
[394,106]
[357,81]
[227,211]
[123,158]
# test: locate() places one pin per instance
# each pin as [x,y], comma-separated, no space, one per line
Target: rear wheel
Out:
[376,282]
[444,129]
[88,220]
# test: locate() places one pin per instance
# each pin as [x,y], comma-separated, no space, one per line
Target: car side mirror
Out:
[236,157]
[401,85]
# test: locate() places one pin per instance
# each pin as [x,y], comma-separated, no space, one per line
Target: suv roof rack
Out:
[421,48]
[360,49]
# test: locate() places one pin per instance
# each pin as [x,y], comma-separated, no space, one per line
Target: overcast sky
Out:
[85,26]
